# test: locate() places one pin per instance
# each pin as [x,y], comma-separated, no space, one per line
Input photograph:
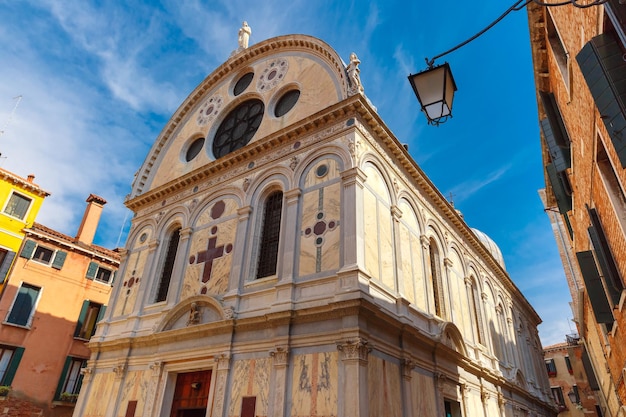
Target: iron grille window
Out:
[168,266]
[268,245]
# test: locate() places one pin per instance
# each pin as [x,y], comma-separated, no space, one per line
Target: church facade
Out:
[287,257]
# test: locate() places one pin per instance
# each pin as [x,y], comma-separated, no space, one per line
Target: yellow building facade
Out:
[20,201]
[287,257]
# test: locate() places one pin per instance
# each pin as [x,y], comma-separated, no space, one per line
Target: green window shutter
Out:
[601,63]
[92,270]
[12,368]
[103,309]
[561,156]
[66,368]
[81,318]
[595,289]
[113,278]
[611,275]
[6,264]
[23,305]
[28,249]
[563,200]
[59,259]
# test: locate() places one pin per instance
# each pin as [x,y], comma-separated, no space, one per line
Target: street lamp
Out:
[435,86]
[435,89]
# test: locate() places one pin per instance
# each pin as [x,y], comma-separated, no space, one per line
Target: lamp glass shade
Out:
[435,89]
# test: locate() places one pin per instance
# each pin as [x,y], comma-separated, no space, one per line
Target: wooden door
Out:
[191,394]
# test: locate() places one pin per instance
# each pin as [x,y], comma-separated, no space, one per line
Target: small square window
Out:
[103,275]
[17,206]
[550,367]
[43,255]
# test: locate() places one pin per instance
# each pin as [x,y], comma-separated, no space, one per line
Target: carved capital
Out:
[292,195]
[407,368]
[186,233]
[357,349]
[484,296]
[484,394]
[244,213]
[223,361]
[441,379]
[119,370]
[501,400]
[396,213]
[448,262]
[153,245]
[353,176]
[156,367]
[280,355]
[425,241]
[468,281]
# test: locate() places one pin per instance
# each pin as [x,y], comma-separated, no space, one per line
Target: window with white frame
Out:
[99,273]
[17,206]
[23,308]
[71,379]
[43,254]
[10,357]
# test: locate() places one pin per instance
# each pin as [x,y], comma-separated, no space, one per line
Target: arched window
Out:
[270,234]
[435,275]
[168,266]
[475,310]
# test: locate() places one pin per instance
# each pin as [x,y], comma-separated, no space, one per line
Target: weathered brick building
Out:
[580,73]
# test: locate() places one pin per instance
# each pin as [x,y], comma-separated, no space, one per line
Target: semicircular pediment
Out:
[199,309]
[212,122]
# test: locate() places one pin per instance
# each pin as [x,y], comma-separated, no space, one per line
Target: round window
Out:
[243,83]
[238,128]
[286,102]
[194,149]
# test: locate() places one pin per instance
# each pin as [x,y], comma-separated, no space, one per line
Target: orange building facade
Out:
[574,393]
[56,292]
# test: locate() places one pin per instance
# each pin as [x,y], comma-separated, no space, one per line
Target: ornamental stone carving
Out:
[357,349]
[280,355]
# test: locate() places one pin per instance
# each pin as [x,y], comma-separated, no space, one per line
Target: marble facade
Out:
[350,323]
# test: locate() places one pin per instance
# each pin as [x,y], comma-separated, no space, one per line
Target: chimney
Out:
[88,226]
[30,178]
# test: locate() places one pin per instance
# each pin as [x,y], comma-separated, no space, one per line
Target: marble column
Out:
[407,396]
[281,360]
[352,219]
[221,380]
[176,282]
[354,390]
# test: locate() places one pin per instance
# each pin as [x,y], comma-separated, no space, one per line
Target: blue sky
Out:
[99,80]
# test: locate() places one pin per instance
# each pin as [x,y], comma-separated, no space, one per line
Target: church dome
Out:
[491,246]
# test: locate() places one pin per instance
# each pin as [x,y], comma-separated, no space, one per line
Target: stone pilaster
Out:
[354,358]
[280,355]
[221,379]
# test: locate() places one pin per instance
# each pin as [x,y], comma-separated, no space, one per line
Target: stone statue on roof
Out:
[244,35]
[353,75]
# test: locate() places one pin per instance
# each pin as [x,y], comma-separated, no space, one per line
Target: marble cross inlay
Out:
[212,251]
